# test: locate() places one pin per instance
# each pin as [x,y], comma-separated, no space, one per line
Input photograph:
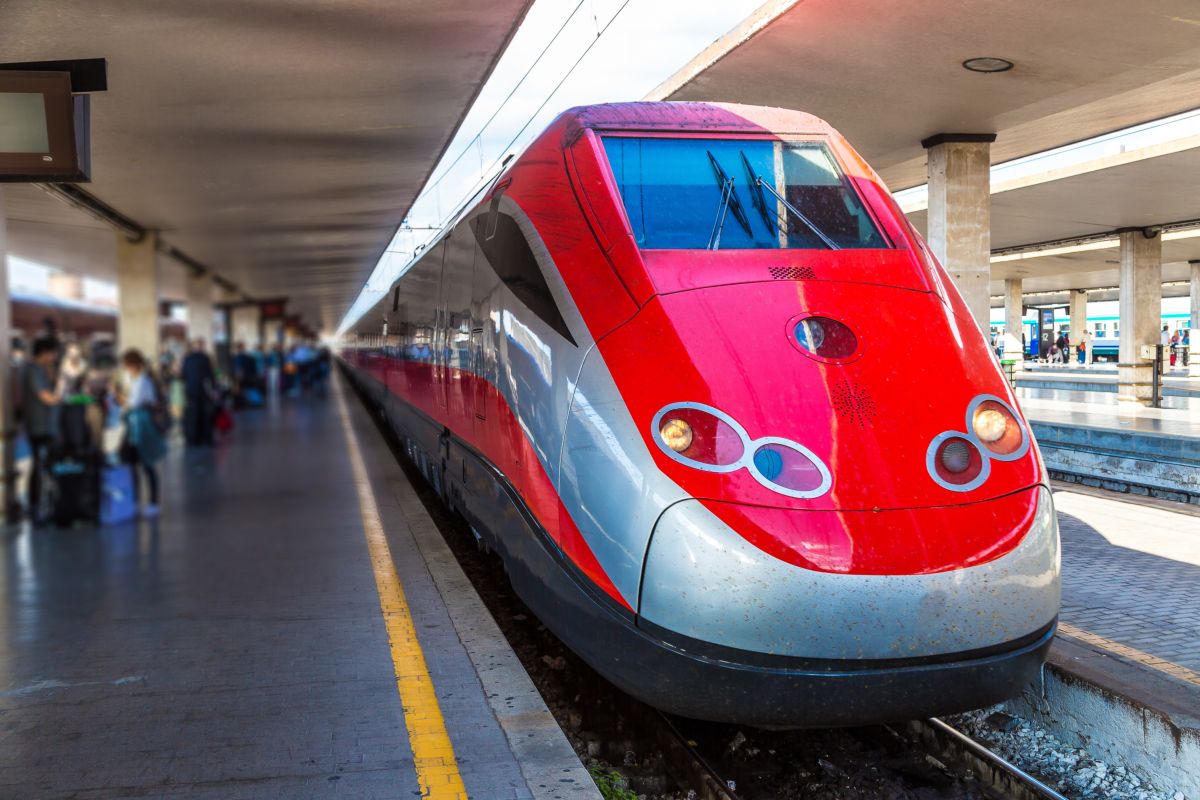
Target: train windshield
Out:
[696,194]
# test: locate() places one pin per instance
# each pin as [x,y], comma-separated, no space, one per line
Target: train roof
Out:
[711,117]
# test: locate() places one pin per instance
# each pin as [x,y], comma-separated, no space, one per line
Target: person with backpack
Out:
[143,445]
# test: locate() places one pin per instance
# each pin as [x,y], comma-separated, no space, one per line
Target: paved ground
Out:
[1131,575]
[237,648]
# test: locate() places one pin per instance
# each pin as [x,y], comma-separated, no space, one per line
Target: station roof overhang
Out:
[1056,230]
[891,75]
[279,144]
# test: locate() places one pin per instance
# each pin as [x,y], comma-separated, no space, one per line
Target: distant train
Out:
[93,327]
[655,367]
[1105,337]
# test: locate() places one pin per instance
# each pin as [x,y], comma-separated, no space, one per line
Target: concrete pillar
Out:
[1140,311]
[244,320]
[1194,323]
[1079,329]
[1014,326]
[272,333]
[960,224]
[200,306]
[8,431]
[137,295]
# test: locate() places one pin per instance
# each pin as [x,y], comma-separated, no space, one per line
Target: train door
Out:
[457,278]
[485,322]
[478,397]
[440,330]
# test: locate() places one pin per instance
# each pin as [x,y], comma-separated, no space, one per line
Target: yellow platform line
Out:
[1132,653]
[433,755]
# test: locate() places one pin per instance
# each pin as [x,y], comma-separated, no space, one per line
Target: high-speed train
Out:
[652,366]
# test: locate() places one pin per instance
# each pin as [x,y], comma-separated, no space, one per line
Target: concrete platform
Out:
[1097,378]
[239,647]
[1123,679]
[1154,452]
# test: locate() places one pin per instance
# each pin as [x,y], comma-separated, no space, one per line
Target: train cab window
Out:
[696,194]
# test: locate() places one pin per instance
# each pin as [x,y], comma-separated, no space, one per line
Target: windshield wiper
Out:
[760,184]
[729,202]
[757,198]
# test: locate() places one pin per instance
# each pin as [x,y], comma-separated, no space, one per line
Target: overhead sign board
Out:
[44,128]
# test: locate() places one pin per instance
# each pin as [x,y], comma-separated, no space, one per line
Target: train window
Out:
[506,250]
[695,194]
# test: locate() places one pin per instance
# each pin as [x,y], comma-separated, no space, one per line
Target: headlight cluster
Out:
[961,461]
[708,439]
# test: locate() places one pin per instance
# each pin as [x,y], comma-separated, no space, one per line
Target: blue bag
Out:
[117,503]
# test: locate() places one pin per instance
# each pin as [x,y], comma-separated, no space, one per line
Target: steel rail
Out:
[1036,787]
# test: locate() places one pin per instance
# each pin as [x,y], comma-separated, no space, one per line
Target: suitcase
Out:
[75,437]
[118,502]
[75,490]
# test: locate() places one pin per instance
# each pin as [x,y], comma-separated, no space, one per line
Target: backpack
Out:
[160,412]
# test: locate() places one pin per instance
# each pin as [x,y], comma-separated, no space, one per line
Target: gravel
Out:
[1070,770]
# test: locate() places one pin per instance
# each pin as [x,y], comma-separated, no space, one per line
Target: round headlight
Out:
[990,424]
[676,434]
[997,428]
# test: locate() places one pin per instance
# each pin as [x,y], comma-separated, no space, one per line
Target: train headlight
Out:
[676,434]
[997,428]
[989,424]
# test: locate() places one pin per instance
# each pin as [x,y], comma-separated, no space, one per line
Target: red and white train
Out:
[654,367]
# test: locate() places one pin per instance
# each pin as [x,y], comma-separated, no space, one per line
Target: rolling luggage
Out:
[74,434]
[74,490]
[118,502]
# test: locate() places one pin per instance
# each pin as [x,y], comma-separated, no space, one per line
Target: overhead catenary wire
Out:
[478,137]
[502,159]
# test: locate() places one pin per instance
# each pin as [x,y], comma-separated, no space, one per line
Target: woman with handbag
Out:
[143,445]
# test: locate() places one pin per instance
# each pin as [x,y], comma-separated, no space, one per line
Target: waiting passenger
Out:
[199,395]
[37,401]
[143,446]
[72,373]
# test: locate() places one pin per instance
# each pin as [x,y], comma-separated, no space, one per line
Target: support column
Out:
[960,223]
[1140,311]
[8,430]
[1079,329]
[137,295]
[1014,325]
[1194,351]
[200,307]
[272,333]
[244,320]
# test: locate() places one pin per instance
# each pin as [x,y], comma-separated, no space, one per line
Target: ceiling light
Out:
[988,64]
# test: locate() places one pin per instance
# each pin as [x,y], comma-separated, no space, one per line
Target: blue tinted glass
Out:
[691,194]
[769,462]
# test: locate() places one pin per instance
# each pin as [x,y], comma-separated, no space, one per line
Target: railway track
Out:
[997,776]
[1011,781]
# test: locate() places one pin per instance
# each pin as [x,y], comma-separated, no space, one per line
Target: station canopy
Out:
[891,74]
[278,143]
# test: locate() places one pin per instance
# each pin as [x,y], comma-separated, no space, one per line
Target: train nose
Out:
[707,582]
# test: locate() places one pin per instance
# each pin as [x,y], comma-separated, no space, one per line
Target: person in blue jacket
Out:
[144,445]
